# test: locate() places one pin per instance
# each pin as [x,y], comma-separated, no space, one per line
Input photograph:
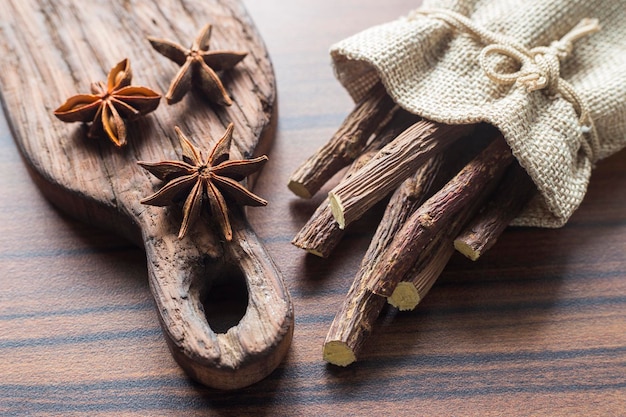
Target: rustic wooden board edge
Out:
[248,351]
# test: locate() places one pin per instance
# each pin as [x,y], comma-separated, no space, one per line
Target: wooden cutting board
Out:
[51,50]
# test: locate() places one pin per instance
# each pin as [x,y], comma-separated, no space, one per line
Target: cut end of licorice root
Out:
[336,207]
[405,297]
[316,252]
[466,249]
[312,251]
[338,353]
[299,189]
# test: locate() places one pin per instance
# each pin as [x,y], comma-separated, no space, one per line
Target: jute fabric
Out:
[550,75]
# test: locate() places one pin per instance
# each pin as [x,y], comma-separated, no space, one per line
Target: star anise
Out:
[197,178]
[198,67]
[108,105]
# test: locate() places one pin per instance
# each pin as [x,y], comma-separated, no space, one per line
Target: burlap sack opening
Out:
[432,69]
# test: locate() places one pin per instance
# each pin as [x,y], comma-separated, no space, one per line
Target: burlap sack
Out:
[561,107]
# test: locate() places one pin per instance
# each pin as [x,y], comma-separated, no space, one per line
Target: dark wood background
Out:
[536,327]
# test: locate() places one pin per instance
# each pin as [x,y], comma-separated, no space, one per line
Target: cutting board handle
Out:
[182,271]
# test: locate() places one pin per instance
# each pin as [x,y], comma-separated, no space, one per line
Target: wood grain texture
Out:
[535,327]
[103,186]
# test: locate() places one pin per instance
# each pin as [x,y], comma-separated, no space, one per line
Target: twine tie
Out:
[539,67]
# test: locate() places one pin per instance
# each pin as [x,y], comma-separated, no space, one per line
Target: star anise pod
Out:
[108,105]
[198,178]
[198,67]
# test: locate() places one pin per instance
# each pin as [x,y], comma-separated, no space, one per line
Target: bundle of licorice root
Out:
[451,186]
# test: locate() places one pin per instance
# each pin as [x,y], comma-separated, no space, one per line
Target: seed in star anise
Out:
[108,106]
[200,177]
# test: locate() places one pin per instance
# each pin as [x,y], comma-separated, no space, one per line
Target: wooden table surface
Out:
[537,327]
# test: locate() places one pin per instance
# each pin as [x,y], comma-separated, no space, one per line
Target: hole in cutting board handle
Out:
[224,300]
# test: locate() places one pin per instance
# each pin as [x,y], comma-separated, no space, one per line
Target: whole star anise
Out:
[108,105]
[197,178]
[198,67]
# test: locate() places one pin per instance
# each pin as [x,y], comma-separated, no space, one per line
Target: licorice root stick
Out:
[346,144]
[354,321]
[434,258]
[397,161]
[479,234]
[425,223]
[321,233]
[510,198]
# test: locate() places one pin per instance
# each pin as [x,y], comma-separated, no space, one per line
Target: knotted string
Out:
[540,67]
